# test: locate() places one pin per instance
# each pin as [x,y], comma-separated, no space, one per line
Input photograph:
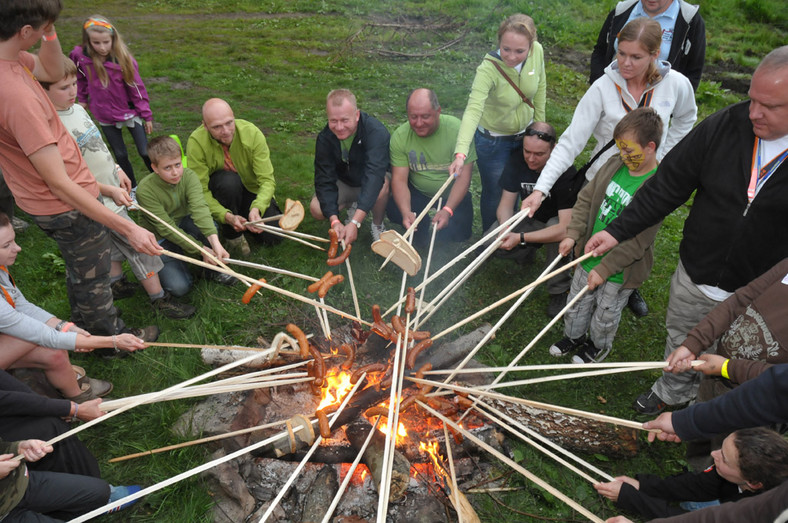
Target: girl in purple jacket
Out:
[109,84]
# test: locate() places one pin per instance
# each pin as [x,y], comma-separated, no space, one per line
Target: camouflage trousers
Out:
[85,246]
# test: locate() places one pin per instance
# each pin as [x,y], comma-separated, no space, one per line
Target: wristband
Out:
[460,155]
[522,239]
[724,370]
[60,325]
[448,210]
[335,220]
[49,38]
[76,410]
[67,326]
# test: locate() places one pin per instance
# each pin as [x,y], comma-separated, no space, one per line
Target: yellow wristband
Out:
[724,370]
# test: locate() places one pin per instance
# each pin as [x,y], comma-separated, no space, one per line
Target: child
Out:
[27,495]
[750,461]
[145,267]
[612,277]
[110,86]
[175,195]
[48,176]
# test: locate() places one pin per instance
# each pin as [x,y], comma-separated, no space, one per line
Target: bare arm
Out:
[49,62]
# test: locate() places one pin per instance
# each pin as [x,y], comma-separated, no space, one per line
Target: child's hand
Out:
[711,366]
[149,127]
[34,449]
[7,464]
[612,489]
[124,180]
[566,246]
[594,280]
[120,196]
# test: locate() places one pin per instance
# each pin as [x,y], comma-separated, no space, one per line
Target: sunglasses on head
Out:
[549,138]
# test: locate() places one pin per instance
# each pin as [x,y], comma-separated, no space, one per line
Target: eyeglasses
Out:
[546,137]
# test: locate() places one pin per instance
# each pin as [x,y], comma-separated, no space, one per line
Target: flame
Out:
[383,427]
[336,388]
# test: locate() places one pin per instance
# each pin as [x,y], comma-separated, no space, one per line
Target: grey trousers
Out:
[686,307]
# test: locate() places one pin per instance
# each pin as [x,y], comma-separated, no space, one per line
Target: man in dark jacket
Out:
[735,161]
[351,162]
[683,35]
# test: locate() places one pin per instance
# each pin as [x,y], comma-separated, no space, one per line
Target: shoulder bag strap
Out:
[511,82]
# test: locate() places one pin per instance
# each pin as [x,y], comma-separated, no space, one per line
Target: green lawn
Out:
[274,61]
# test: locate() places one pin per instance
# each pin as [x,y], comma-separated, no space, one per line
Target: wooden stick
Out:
[218,268]
[196,442]
[297,234]
[333,506]
[185,237]
[273,288]
[542,278]
[322,322]
[560,377]
[352,283]
[276,231]
[455,488]
[264,220]
[218,347]
[325,320]
[528,475]
[268,268]
[309,453]
[164,392]
[540,448]
[546,406]
[492,234]
[427,269]
[561,366]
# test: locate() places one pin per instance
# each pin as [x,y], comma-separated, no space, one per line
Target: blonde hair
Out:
[69,69]
[119,51]
[162,147]
[521,24]
[648,33]
[337,96]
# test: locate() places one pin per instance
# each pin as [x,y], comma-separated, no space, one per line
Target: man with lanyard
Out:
[548,225]
[683,35]
[232,160]
[422,150]
[735,160]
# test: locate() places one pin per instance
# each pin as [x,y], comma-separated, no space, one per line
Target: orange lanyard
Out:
[759,175]
[645,100]
[8,297]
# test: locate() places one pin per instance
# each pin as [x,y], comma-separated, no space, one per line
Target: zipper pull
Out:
[747,208]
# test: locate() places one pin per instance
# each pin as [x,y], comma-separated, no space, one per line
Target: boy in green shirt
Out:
[611,278]
[175,195]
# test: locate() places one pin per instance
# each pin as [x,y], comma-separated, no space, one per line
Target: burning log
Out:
[357,433]
[320,495]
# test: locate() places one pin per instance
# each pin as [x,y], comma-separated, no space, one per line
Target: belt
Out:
[507,137]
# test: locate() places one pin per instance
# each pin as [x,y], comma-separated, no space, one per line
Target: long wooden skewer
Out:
[276,231]
[561,366]
[308,455]
[545,406]
[540,448]
[455,488]
[427,269]
[268,268]
[559,377]
[530,476]
[352,283]
[297,234]
[264,220]
[269,287]
[219,347]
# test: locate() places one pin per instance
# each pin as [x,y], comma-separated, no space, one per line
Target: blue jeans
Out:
[175,276]
[492,156]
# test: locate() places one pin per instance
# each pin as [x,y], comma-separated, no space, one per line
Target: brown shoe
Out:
[91,390]
[147,334]
[238,245]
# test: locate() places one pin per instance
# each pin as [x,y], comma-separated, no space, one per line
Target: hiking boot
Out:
[123,288]
[120,492]
[376,231]
[351,211]
[19,224]
[566,345]
[91,390]
[172,308]
[220,277]
[556,304]
[147,334]
[637,304]
[81,374]
[590,353]
[238,245]
[649,403]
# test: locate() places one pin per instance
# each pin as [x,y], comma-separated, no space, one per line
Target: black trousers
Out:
[227,188]
[54,496]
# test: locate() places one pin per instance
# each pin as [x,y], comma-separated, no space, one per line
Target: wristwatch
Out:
[356,223]
[522,239]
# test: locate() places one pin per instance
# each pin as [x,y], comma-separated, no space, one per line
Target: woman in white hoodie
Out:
[634,78]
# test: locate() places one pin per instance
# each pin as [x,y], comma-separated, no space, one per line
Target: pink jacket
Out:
[117,101]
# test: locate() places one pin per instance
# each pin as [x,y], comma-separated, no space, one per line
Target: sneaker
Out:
[148,334]
[120,492]
[649,403]
[376,231]
[172,308]
[91,390]
[590,353]
[556,304]
[220,277]
[350,212]
[567,345]
[238,245]
[637,304]
[123,288]
[19,224]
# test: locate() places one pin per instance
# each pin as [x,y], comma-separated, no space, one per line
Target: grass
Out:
[274,61]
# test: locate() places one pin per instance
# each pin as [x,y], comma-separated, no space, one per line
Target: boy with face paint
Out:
[592,322]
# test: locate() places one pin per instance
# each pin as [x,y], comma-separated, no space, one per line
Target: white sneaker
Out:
[351,211]
[376,231]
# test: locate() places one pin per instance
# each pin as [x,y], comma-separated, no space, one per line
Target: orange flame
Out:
[336,388]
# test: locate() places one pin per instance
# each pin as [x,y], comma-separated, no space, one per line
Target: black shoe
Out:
[567,345]
[123,288]
[220,277]
[172,308]
[649,403]
[557,304]
[590,353]
[637,304]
